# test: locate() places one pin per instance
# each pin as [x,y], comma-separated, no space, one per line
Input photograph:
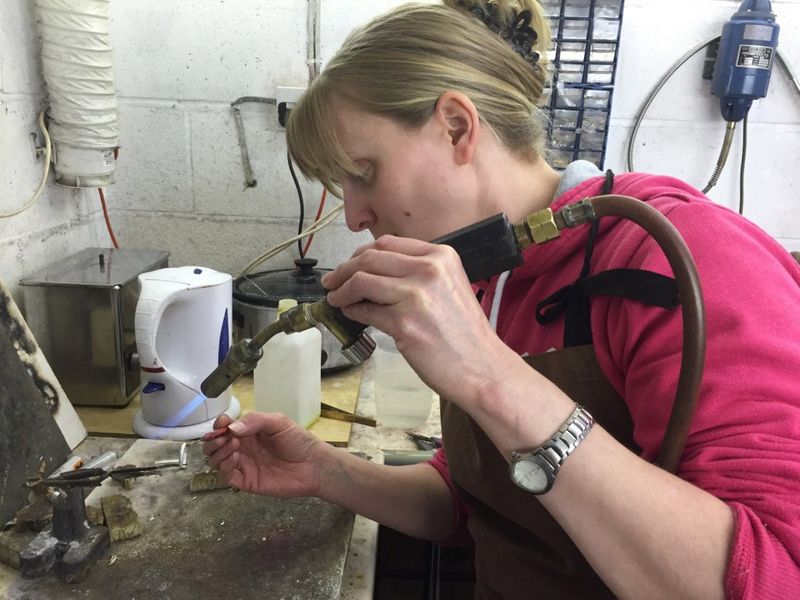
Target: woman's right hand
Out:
[266,453]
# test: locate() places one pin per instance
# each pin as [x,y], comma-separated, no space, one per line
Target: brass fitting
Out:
[538,227]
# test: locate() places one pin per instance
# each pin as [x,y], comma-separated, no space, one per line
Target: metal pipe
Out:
[730,128]
[249,178]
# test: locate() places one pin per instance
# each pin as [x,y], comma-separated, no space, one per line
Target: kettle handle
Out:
[154,298]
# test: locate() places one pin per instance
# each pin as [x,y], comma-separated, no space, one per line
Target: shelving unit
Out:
[584,62]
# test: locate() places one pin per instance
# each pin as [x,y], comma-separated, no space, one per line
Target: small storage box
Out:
[81,311]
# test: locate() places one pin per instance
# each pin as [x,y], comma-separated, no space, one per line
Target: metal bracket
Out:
[249,177]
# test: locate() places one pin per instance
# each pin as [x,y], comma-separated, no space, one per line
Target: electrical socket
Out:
[285,98]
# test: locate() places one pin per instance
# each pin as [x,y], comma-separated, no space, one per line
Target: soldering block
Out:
[12,543]
[205,482]
[95,515]
[122,521]
[36,516]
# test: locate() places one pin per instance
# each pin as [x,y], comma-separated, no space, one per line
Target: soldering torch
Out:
[495,245]
[485,248]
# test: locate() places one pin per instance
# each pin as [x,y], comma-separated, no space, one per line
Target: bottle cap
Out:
[286,304]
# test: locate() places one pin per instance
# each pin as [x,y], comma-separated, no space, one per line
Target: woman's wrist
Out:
[520,410]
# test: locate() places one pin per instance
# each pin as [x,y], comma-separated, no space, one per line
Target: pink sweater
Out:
[744,443]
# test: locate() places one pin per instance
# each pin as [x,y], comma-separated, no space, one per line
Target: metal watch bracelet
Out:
[568,436]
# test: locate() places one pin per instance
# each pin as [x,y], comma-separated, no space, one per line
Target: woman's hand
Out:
[418,293]
[265,454]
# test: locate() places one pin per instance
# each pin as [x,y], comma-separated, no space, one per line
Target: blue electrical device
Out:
[746,54]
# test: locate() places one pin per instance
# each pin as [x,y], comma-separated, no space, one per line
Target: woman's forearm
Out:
[412,499]
[646,532]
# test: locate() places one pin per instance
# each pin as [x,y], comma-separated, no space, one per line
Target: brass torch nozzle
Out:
[357,346]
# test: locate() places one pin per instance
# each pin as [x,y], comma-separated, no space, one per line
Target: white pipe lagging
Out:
[78,71]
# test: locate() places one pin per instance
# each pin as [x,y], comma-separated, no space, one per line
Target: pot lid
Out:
[268,287]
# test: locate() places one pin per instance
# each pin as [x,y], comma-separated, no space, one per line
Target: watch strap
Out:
[568,436]
[556,450]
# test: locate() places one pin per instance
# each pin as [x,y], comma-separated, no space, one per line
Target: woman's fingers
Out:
[388,256]
[220,449]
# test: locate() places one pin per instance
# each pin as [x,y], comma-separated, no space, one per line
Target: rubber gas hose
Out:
[690,297]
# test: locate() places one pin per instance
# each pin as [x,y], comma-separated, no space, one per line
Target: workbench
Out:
[350,390]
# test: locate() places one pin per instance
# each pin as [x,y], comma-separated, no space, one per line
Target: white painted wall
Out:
[180,184]
[683,131]
[63,221]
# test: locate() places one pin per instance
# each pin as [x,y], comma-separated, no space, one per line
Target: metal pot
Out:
[255,304]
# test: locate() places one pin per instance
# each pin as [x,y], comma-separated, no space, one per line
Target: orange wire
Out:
[319,212]
[108,220]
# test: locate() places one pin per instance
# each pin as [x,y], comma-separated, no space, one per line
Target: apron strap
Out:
[573,300]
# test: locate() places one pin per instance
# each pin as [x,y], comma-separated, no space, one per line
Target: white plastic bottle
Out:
[287,378]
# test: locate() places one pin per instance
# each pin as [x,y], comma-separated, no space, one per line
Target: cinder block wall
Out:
[180,183]
[62,221]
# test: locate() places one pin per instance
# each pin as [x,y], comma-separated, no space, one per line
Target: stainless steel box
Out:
[81,310]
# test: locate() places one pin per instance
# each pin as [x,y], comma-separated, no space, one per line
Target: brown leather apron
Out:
[520,550]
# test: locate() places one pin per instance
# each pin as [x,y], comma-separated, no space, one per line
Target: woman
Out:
[426,122]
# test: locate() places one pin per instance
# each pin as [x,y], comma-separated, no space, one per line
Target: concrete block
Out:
[154,166]
[219,182]
[20,65]
[339,17]
[21,171]
[209,50]
[228,244]
[690,153]
[655,35]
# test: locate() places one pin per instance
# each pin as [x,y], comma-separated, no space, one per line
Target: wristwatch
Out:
[535,471]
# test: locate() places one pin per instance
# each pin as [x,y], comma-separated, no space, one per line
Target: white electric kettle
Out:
[183,331]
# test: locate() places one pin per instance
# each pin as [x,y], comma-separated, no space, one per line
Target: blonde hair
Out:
[399,64]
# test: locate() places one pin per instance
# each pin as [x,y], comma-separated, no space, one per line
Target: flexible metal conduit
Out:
[77,65]
[693,314]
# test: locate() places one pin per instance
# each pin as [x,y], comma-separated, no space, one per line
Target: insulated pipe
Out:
[77,66]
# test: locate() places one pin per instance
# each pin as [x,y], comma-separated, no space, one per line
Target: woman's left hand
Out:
[418,293]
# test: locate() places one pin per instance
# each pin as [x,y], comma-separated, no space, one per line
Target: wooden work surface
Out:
[338,389]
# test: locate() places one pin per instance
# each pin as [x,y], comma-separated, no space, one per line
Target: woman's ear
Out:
[456,112]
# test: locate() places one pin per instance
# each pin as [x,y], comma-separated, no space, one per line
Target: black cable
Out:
[302,203]
[741,167]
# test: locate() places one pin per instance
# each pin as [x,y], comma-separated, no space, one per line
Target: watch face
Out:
[528,475]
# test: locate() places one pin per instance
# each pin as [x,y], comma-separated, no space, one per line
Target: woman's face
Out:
[412,184]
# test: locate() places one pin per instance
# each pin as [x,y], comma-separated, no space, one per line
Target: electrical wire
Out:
[48,153]
[742,165]
[322,223]
[302,204]
[107,218]
[316,219]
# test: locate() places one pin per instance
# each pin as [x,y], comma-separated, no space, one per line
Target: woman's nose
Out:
[357,213]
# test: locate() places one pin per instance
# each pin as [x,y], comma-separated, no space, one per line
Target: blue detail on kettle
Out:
[153,386]
[224,338]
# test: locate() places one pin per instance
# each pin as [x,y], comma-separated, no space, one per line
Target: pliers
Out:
[425,442]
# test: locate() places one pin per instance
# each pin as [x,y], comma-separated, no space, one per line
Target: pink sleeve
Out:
[761,566]
[460,535]
[744,443]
